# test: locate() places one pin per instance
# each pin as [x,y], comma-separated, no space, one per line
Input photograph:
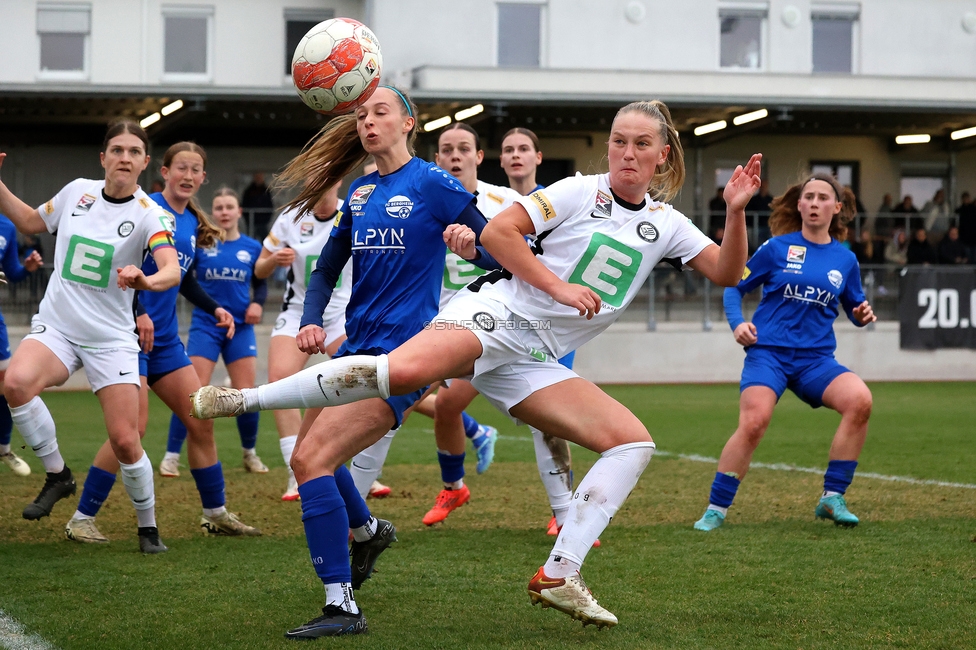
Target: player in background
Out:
[103,229]
[508,336]
[13,271]
[295,242]
[225,270]
[163,364]
[807,276]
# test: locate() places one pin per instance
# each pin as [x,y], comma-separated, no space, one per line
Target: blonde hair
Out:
[785,217]
[330,155]
[207,231]
[669,176]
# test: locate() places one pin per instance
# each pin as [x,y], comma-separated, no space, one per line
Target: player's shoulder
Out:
[431,175]
[146,206]
[250,242]
[497,194]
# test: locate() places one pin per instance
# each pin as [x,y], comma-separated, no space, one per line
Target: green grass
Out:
[772,577]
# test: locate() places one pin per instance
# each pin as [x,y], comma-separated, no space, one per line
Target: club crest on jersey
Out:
[211,252]
[647,232]
[603,206]
[84,205]
[484,321]
[836,278]
[361,195]
[399,207]
[244,257]
[126,228]
[796,254]
[306,231]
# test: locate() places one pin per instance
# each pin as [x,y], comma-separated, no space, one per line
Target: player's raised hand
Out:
[225,321]
[131,276]
[578,297]
[745,334]
[33,261]
[743,184]
[460,240]
[311,339]
[864,313]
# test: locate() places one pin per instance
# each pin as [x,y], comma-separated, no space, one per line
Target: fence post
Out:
[869,282]
[651,321]
[707,317]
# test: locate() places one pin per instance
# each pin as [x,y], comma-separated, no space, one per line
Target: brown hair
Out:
[226,191]
[121,125]
[461,126]
[207,231]
[670,176]
[785,217]
[329,156]
[518,130]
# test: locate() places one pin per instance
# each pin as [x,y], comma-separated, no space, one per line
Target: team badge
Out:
[603,206]
[836,278]
[647,232]
[361,195]
[306,231]
[280,323]
[544,204]
[49,207]
[484,321]
[399,207]
[126,228]
[84,205]
[796,254]
[244,257]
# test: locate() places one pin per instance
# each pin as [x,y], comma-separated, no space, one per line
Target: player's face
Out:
[635,150]
[818,204]
[380,123]
[519,157]
[458,155]
[123,160]
[185,174]
[226,212]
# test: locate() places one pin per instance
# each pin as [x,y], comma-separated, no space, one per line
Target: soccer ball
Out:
[336,66]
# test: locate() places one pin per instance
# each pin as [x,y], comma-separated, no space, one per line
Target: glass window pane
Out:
[832,44]
[294,31]
[63,52]
[186,45]
[741,42]
[519,29]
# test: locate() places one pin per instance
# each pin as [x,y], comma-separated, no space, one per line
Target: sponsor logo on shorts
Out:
[544,204]
[361,195]
[306,231]
[399,207]
[836,278]
[796,254]
[126,228]
[603,206]
[244,257]
[484,321]
[38,329]
[647,232]
[279,324]
[84,205]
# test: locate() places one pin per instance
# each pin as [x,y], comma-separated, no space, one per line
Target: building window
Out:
[741,36]
[847,172]
[519,35]
[297,24]
[186,42]
[63,33]
[834,36]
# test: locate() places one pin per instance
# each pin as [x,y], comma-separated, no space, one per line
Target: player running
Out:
[807,276]
[507,337]
[103,229]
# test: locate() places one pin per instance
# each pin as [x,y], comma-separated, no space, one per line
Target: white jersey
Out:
[96,236]
[458,272]
[588,238]
[307,237]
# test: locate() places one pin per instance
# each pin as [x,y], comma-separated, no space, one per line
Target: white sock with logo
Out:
[287,445]
[36,425]
[367,465]
[138,481]
[340,594]
[330,383]
[555,466]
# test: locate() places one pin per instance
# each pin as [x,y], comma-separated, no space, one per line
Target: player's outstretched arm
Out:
[25,218]
[167,276]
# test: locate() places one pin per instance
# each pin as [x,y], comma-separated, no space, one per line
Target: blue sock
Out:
[452,467]
[470,425]
[247,426]
[356,508]
[98,484]
[210,485]
[724,488]
[326,529]
[6,422]
[839,475]
[177,434]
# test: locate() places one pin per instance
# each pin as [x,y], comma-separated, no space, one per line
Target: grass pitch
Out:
[771,577]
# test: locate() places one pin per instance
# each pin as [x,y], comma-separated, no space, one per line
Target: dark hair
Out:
[207,230]
[785,217]
[518,130]
[121,125]
[670,176]
[461,126]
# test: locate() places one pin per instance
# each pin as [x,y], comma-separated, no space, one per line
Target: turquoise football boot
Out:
[711,520]
[835,508]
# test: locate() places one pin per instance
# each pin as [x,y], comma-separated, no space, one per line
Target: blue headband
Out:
[402,98]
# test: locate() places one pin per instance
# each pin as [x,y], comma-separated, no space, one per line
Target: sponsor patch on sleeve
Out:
[144,203]
[49,207]
[161,240]
[544,205]
[274,240]
[495,198]
[746,272]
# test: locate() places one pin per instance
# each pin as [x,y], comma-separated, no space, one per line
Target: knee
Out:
[200,431]
[405,378]
[18,390]
[753,426]
[860,406]
[128,449]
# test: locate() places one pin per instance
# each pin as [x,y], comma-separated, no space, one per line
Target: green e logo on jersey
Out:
[310,266]
[608,267]
[459,273]
[88,262]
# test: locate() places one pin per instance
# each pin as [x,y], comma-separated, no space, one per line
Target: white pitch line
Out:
[13,636]
[784,467]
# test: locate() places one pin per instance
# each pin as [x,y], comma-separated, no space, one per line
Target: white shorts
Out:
[514,362]
[288,321]
[104,366]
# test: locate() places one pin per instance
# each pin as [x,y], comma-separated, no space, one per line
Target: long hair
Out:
[121,125]
[207,231]
[329,156]
[669,176]
[785,217]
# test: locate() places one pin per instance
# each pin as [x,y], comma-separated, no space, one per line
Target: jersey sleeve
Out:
[157,230]
[444,195]
[688,241]
[756,269]
[12,267]
[853,293]
[52,209]
[550,207]
[278,237]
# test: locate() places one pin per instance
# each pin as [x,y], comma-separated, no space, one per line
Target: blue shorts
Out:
[163,360]
[567,361]
[209,341]
[4,341]
[397,403]
[805,372]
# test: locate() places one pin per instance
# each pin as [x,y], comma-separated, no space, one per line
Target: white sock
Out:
[214,512]
[555,467]
[4,450]
[80,516]
[330,383]
[560,567]
[365,532]
[367,465]
[456,485]
[36,425]
[712,506]
[828,493]
[598,497]
[138,481]
[340,595]
[287,445]
[172,455]
[248,451]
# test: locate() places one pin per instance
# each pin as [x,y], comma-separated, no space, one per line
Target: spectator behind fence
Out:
[862,246]
[716,206]
[257,204]
[880,224]
[966,214]
[896,252]
[951,250]
[758,207]
[907,206]
[920,250]
[936,213]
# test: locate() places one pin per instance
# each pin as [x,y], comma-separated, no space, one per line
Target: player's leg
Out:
[284,360]
[243,374]
[452,398]
[203,347]
[555,463]
[9,458]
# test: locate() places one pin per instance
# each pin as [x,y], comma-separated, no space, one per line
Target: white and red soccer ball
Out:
[336,66]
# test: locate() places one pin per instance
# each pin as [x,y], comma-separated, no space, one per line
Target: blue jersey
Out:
[224,271]
[160,306]
[395,225]
[9,255]
[803,286]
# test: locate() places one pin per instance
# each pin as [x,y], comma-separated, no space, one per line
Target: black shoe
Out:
[334,621]
[56,487]
[363,555]
[149,541]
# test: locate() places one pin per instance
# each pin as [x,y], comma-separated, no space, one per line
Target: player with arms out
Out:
[807,277]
